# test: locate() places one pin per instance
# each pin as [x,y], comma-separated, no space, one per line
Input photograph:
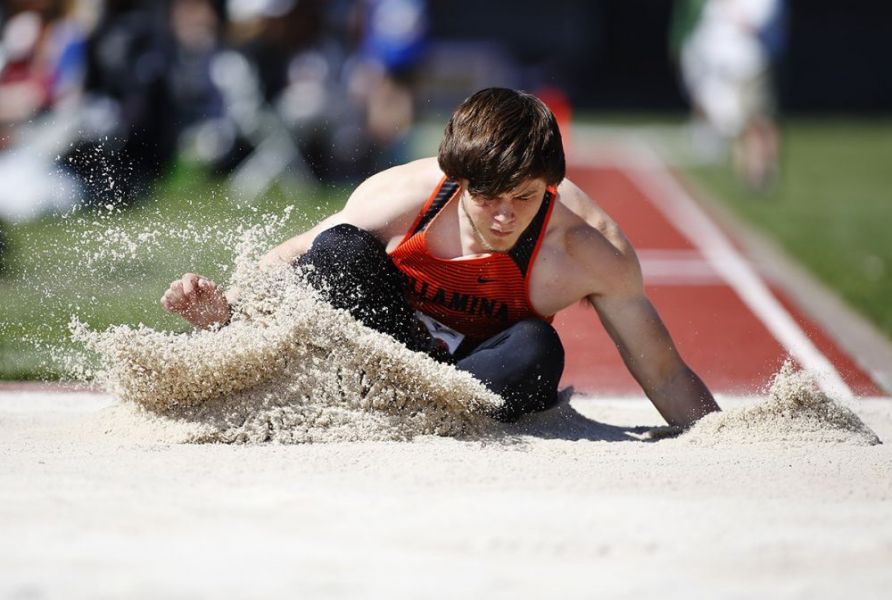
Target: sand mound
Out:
[290,369]
[796,411]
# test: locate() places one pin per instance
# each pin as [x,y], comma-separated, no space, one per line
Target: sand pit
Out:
[415,492]
[570,504]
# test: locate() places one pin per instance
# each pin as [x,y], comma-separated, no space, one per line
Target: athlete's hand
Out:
[198,300]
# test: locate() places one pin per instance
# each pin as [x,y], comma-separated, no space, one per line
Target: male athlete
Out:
[467,256]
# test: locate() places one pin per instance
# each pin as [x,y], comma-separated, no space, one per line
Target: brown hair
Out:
[498,138]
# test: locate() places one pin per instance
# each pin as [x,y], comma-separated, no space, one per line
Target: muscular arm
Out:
[384,205]
[608,261]
[651,357]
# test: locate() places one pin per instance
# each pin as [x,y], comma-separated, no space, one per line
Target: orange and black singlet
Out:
[477,297]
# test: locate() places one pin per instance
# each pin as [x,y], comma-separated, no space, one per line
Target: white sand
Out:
[288,369]
[786,497]
[570,505]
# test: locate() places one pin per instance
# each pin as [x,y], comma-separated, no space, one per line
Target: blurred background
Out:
[133,133]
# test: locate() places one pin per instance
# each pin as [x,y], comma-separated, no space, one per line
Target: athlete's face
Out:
[497,222]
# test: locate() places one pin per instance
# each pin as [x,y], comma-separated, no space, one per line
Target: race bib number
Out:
[451,337]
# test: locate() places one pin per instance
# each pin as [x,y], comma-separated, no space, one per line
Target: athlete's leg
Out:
[523,364]
[353,271]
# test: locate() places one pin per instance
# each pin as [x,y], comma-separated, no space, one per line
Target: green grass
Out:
[832,208]
[111,267]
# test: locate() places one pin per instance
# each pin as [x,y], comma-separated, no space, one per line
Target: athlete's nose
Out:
[504,212]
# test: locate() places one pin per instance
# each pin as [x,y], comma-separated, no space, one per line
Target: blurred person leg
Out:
[756,157]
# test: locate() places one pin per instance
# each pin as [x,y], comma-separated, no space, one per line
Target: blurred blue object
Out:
[396,32]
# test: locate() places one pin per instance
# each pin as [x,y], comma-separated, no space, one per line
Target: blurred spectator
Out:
[727,50]
[335,76]
[300,59]
[261,89]
[41,69]
[195,26]
[392,46]
[108,88]
[253,78]
[127,135]
[203,125]
[25,77]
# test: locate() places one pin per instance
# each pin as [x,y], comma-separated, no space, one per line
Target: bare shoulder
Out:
[586,208]
[387,202]
[596,244]
[403,183]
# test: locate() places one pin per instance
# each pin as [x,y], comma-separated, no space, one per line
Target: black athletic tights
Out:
[523,364]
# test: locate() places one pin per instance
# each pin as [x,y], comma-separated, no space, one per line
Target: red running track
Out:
[731,347]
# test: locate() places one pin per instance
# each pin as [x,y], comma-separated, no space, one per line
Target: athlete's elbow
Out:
[273,259]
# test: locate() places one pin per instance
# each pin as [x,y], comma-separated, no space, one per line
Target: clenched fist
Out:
[198,300]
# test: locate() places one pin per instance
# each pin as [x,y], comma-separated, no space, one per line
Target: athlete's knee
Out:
[345,240]
[542,339]
[345,251]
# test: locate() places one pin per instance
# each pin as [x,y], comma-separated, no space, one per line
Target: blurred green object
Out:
[53,272]
[831,208]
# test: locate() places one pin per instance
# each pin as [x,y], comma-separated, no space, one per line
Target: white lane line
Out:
[677,267]
[668,196]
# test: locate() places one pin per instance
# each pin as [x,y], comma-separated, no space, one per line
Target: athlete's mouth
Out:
[498,233]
